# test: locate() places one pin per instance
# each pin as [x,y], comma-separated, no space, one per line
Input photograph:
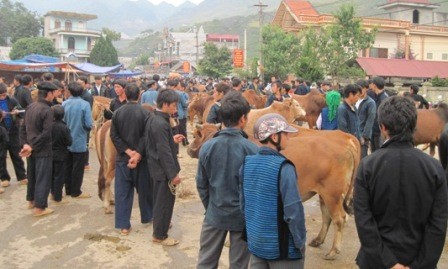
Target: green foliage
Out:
[342,40]
[104,53]
[30,45]
[111,34]
[17,22]
[279,50]
[242,73]
[217,62]
[439,82]
[308,65]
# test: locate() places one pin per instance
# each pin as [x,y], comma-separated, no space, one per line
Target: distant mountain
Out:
[133,17]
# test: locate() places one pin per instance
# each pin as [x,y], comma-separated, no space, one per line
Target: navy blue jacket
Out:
[348,120]
[366,114]
[217,178]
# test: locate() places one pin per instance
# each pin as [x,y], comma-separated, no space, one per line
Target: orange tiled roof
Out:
[299,7]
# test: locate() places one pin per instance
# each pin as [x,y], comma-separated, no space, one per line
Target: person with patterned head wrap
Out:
[328,118]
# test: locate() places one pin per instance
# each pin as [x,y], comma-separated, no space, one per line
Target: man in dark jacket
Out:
[22,93]
[217,180]
[400,197]
[422,103]
[219,92]
[164,166]
[127,129]
[377,85]
[348,120]
[9,108]
[61,139]
[366,114]
[35,136]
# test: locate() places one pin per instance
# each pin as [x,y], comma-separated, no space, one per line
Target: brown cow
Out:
[100,104]
[255,100]
[289,108]
[106,153]
[331,174]
[430,124]
[313,103]
[198,105]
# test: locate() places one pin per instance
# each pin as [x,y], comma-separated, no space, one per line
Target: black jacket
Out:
[60,135]
[86,96]
[422,101]
[443,149]
[127,129]
[37,127]
[23,96]
[378,100]
[161,150]
[400,208]
[114,105]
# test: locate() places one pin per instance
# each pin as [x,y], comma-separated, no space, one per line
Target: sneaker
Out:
[83,196]
[166,242]
[5,183]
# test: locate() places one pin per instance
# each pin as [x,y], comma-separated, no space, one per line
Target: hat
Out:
[120,82]
[46,86]
[150,83]
[270,124]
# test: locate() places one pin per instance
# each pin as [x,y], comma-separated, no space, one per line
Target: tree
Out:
[111,34]
[104,53]
[30,45]
[217,62]
[341,42]
[308,65]
[279,50]
[17,22]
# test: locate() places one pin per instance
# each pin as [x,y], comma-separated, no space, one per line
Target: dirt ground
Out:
[80,235]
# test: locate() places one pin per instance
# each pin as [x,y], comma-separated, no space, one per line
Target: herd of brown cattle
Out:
[326,161]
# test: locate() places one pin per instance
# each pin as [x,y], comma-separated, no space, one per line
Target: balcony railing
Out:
[75,51]
[74,30]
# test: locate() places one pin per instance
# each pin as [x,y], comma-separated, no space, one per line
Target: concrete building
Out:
[70,35]
[411,29]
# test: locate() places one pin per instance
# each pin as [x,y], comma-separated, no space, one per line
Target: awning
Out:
[97,70]
[125,74]
[25,66]
[403,68]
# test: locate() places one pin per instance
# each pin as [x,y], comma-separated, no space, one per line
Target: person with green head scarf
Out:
[328,118]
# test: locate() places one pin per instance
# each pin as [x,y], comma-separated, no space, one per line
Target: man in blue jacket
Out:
[269,189]
[217,181]
[348,120]
[366,113]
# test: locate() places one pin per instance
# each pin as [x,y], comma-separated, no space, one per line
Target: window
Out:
[68,25]
[57,24]
[445,56]
[71,43]
[416,16]
[429,56]
[379,53]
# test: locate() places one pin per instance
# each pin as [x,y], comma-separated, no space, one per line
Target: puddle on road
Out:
[98,237]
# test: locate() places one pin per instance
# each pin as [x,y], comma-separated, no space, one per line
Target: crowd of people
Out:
[247,186]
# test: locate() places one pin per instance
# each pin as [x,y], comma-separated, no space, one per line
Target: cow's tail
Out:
[355,151]
[101,183]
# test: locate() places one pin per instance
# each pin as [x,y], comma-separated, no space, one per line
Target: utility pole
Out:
[260,17]
[197,45]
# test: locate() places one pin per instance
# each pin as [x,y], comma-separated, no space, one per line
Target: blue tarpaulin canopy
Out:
[94,69]
[126,73]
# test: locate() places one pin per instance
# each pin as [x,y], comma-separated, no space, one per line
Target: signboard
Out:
[186,67]
[238,58]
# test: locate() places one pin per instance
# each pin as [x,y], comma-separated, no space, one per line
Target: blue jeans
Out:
[125,181]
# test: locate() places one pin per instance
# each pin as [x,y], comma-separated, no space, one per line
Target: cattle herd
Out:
[332,156]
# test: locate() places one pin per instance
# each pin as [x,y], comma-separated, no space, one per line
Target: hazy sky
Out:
[174,2]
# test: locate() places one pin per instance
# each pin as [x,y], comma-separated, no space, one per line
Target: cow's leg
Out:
[338,215]
[326,221]
[107,198]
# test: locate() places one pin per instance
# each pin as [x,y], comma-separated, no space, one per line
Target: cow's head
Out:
[295,108]
[201,134]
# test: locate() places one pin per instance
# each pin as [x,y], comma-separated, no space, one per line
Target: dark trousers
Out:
[19,166]
[59,177]
[39,180]
[163,208]
[75,170]
[125,181]
[183,130]
[365,149]
[176,130]
[87,152]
